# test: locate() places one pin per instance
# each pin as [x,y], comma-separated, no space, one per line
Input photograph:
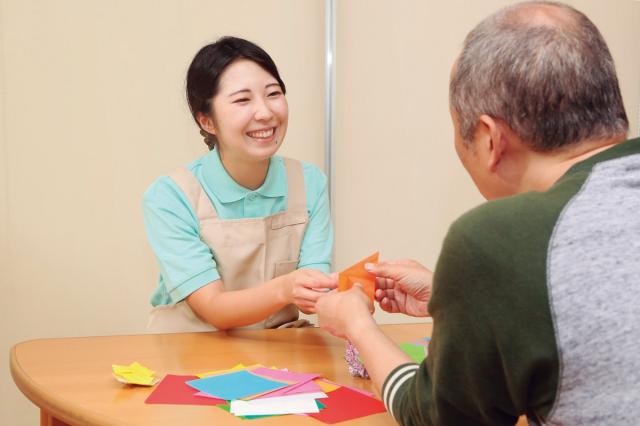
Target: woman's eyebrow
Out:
[239,91]
[247,90]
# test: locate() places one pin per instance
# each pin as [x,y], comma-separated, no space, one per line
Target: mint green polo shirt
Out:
[186,262]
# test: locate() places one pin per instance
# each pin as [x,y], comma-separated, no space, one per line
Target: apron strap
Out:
[296,193]
[198,198]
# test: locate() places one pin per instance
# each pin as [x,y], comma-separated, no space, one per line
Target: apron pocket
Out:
[285,267]
[291,219]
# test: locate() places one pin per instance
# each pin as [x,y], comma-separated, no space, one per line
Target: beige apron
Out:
[247,251]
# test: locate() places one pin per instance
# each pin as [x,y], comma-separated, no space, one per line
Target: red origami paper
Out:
[345,404]
[357,274]
[173,390]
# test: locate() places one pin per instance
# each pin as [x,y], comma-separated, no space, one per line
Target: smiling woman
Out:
[243,237]
[251,115]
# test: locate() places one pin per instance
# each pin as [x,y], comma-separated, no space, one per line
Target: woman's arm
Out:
[237,308]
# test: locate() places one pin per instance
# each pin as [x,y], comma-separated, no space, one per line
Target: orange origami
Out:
[357,274]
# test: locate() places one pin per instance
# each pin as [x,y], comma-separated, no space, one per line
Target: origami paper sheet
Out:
[326,385]
[134,374]
[423,341]
[294,404]
[416,352]
[345,404]
[236,367]
[236,385]
[173,390]
[299,382]
[357,274]
[299,388]
[337,386]
[227,408]
[284,376]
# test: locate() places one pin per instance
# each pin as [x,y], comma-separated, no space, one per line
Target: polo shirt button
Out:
[251,197]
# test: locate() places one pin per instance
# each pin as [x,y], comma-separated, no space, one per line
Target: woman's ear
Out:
[206,123]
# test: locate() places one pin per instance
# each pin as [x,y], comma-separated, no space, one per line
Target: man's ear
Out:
[491,138]
[206,122]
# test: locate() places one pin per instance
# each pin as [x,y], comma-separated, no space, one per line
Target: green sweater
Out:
[536,308]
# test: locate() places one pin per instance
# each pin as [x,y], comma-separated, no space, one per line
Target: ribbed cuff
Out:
[394,381]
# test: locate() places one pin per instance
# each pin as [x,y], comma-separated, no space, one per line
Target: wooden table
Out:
[70,379]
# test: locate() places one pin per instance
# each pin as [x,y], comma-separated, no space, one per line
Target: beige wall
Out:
[92,110]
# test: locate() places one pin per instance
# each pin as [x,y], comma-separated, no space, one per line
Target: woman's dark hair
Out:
[203,76]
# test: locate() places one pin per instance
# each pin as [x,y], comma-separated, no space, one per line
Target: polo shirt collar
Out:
[228,190]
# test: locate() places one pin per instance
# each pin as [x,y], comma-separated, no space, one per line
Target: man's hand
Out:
[306,286]
[344,313]
[402,286]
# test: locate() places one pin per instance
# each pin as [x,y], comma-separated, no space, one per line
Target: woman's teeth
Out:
[261,134]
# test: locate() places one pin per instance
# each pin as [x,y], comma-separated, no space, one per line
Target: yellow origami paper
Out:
[325,385]
[134,374]
[236,367]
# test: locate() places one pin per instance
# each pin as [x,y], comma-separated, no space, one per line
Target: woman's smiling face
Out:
[249,113]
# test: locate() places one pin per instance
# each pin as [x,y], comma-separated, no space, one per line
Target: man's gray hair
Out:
[544,69]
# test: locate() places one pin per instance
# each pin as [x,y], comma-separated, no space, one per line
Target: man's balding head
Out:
[545,70]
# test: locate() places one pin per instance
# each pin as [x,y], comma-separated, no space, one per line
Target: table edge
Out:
[48,403]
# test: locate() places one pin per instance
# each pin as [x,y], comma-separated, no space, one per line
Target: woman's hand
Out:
[402,286]
[305,286]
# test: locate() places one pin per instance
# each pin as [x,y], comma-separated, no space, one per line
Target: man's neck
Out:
[546,168]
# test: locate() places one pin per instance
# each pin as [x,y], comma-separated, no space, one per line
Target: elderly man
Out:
[536,294]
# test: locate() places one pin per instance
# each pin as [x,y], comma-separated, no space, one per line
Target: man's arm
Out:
[491,357]
[348,315]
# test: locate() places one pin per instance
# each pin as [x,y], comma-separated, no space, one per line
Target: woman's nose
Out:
[263,112]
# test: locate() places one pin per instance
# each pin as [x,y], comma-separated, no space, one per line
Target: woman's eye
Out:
[241,100]
[274,94]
